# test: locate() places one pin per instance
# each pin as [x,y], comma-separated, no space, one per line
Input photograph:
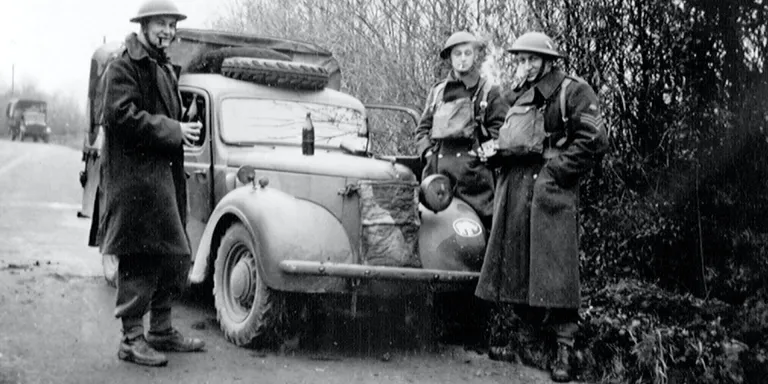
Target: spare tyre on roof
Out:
[192,43]
[277,73]
[210,61]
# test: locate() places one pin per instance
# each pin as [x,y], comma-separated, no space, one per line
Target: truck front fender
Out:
[282,227]
[453,239]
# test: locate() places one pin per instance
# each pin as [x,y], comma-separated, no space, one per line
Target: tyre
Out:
[211,61]
[46,139]
[277,73]
[109,267]
[246,308]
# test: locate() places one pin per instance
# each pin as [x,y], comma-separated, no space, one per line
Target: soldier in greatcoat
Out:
[552,136]
[142,203]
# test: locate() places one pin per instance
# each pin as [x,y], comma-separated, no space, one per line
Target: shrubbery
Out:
[642,262]
[634,332]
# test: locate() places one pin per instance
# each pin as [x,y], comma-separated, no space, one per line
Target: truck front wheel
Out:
[246,307]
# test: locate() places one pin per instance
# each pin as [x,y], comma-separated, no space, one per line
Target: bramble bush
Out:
[635,332]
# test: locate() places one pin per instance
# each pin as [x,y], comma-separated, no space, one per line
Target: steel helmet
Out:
[457,38]
[535,42]
[158,8]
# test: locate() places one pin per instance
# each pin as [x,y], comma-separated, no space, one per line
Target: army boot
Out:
[173,341]
[561,367]
[137,351]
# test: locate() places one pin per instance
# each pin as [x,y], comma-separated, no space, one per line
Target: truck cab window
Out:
[195,110]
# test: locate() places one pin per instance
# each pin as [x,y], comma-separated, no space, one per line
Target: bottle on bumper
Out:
[308,137]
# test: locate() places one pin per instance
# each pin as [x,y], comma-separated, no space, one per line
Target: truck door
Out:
[198,165]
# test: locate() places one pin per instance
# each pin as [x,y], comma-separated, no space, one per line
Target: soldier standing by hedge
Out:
[144,204]
[553,134]
[462,111]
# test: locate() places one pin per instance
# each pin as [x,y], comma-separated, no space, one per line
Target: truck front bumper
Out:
[374,272]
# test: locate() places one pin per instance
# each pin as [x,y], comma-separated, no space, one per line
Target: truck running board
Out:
[373,272]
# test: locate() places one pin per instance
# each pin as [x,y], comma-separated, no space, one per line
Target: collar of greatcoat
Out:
[549,84]
[138,51]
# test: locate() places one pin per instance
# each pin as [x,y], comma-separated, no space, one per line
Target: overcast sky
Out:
[51,41]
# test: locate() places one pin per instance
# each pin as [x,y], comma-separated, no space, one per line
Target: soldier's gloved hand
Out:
[478,152]
[190,132]
[486,150]
[484,156]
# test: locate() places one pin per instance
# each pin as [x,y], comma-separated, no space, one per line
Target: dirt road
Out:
[56,322]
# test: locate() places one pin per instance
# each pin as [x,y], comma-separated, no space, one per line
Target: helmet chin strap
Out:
[545,68]
[147,39]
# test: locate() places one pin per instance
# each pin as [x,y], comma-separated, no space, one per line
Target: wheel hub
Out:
[241,283]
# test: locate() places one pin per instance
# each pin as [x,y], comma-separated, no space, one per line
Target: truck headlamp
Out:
[436,192]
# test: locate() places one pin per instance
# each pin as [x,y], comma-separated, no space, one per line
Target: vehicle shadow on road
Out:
[332,327]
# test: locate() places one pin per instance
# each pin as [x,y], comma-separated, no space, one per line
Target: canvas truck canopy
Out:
[30,106]
[99,60]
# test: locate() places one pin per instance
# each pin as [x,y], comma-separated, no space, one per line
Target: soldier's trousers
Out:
[149,283]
